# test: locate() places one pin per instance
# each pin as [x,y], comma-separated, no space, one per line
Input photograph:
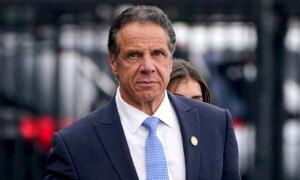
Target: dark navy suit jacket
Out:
[95,147]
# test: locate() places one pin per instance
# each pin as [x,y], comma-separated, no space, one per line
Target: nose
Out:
[148,65]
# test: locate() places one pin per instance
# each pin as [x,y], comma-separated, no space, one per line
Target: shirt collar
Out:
[164,111]
[133,117]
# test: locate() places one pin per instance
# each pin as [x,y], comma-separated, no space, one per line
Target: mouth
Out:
[146,83]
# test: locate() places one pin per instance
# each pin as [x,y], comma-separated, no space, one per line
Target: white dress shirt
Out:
[168,132]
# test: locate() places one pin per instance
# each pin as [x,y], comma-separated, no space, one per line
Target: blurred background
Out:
[54,69]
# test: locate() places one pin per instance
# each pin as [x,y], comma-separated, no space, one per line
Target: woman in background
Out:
[186,81]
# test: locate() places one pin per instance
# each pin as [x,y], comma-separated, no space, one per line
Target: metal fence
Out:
[54,68]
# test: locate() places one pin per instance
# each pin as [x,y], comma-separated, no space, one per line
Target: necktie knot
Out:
[151,123]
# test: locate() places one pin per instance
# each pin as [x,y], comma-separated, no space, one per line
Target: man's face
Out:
[144,63]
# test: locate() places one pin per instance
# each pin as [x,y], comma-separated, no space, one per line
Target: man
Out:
[145,132]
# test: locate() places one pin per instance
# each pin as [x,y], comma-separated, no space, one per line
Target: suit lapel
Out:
[189,128]
[110,133]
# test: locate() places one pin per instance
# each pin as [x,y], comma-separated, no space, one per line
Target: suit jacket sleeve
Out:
[230,166]
[59,165]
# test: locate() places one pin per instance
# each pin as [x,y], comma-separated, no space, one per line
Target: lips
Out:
[146,83]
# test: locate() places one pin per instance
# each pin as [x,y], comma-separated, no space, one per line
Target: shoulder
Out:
[84,125]
[207,115]
[182,102]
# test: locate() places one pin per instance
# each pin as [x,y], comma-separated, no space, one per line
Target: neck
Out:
[148,107]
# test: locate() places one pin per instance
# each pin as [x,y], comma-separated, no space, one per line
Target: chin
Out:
[148,97]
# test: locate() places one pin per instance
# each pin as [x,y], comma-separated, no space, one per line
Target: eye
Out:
[157,54]
[199,98]
[133,55]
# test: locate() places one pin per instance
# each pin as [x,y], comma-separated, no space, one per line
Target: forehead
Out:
[135,34]
[188,85]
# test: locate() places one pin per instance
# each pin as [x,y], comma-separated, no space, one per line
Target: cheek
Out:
[169,65]
[128,73]
[167,69]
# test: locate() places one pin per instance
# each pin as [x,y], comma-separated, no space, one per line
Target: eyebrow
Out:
[133,51]
[193,97]
[158,49]
[197,97]
[178,94]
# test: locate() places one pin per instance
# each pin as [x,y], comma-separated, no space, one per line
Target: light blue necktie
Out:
[156,164]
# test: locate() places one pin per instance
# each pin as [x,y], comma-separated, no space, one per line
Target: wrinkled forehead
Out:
[141,25]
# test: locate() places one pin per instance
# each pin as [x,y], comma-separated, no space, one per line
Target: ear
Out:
[113,64]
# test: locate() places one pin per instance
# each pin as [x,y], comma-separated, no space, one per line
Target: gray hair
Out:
[142,14]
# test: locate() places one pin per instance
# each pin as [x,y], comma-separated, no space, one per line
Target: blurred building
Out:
[54,69]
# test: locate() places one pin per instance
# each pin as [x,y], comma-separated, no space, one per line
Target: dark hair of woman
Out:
[182,70]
